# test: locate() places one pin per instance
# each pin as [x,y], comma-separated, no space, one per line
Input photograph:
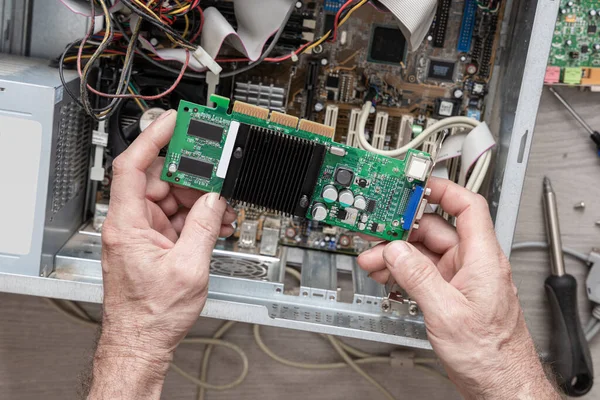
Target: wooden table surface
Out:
[42,354]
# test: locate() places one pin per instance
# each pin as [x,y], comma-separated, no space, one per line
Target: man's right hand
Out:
[462,281]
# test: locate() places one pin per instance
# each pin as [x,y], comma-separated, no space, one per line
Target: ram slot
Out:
[381,123]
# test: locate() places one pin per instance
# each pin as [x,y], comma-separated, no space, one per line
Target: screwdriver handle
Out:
[572,359]
[596,139]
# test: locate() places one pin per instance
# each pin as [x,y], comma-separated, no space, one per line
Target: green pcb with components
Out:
[576,35]
[284,168]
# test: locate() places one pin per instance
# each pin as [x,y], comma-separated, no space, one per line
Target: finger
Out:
[434,257]
[168,205]
[156,189]
[201,230]
[435,233]
[372,259]
[226,231]
[178,220]
[186,197]
[128,193]
[473,220]
[230,216]
[382,276]
[416,274]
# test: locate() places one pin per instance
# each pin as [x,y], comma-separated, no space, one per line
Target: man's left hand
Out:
[157,242]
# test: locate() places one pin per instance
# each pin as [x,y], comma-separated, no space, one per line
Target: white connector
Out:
[351,138]
[331,115]
[100,140]
[205,59]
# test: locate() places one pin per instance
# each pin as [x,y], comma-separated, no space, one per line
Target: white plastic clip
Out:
[205,59]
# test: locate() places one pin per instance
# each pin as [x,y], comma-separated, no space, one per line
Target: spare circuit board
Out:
[575,52]
[286,166]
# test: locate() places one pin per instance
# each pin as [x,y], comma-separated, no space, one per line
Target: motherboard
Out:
[411,88]
[575,52]
[448,75]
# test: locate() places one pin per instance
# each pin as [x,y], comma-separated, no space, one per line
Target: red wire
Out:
[138,96]
[337,19]
[288,56]
[195,37]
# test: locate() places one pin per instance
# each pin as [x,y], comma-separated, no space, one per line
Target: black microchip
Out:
[574,55]
[441,70]
[330,95]
[196,167]
[205,130]
[374,227]
[585,48]
[342,214]
[344,177]
[332,82]
[362,182]
[371,204]
[592,29]
[388,45]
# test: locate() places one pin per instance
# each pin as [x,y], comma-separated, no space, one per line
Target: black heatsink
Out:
[272,170]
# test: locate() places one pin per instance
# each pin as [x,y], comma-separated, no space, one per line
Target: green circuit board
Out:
[274,162]
[576,42]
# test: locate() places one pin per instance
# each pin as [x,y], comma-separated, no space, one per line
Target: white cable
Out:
[543,246]
[481,167]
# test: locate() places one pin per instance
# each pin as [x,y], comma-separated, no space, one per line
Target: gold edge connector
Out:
[316,128]
[250,110]
[284,119]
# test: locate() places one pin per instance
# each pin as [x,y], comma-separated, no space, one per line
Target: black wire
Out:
[160,25]
[223,75]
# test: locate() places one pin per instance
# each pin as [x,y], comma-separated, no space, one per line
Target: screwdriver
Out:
[572,360]
[594,135]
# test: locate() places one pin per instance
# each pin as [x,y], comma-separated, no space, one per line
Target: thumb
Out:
[417,274]
[201,228]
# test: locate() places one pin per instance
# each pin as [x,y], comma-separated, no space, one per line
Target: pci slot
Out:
[352,138]
[468,24]
[331,115]
[430,144]
[405,131]
[381,123]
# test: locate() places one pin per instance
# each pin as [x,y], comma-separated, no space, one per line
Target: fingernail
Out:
[230,209]
[211,200]
[367,251]
[396,250]
[165,115]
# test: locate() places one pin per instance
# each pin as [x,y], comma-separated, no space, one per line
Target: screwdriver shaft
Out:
[553,230]
[572,111]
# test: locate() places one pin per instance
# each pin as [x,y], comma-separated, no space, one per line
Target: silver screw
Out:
[413,309]
[598,223]
[579,206]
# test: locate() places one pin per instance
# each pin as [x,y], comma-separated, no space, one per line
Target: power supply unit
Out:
[45,141]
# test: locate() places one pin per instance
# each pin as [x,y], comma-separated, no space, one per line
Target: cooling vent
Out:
[236,267]
[72,155]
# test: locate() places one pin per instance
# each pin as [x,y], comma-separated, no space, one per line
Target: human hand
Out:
[157,242]
[462,281]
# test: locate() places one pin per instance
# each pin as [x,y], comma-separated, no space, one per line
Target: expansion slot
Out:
[352,137]
[468,24]
[380,131]
[405,132]
[331,115]
[292,167]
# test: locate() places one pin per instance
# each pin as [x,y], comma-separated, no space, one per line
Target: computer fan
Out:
[124,126]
